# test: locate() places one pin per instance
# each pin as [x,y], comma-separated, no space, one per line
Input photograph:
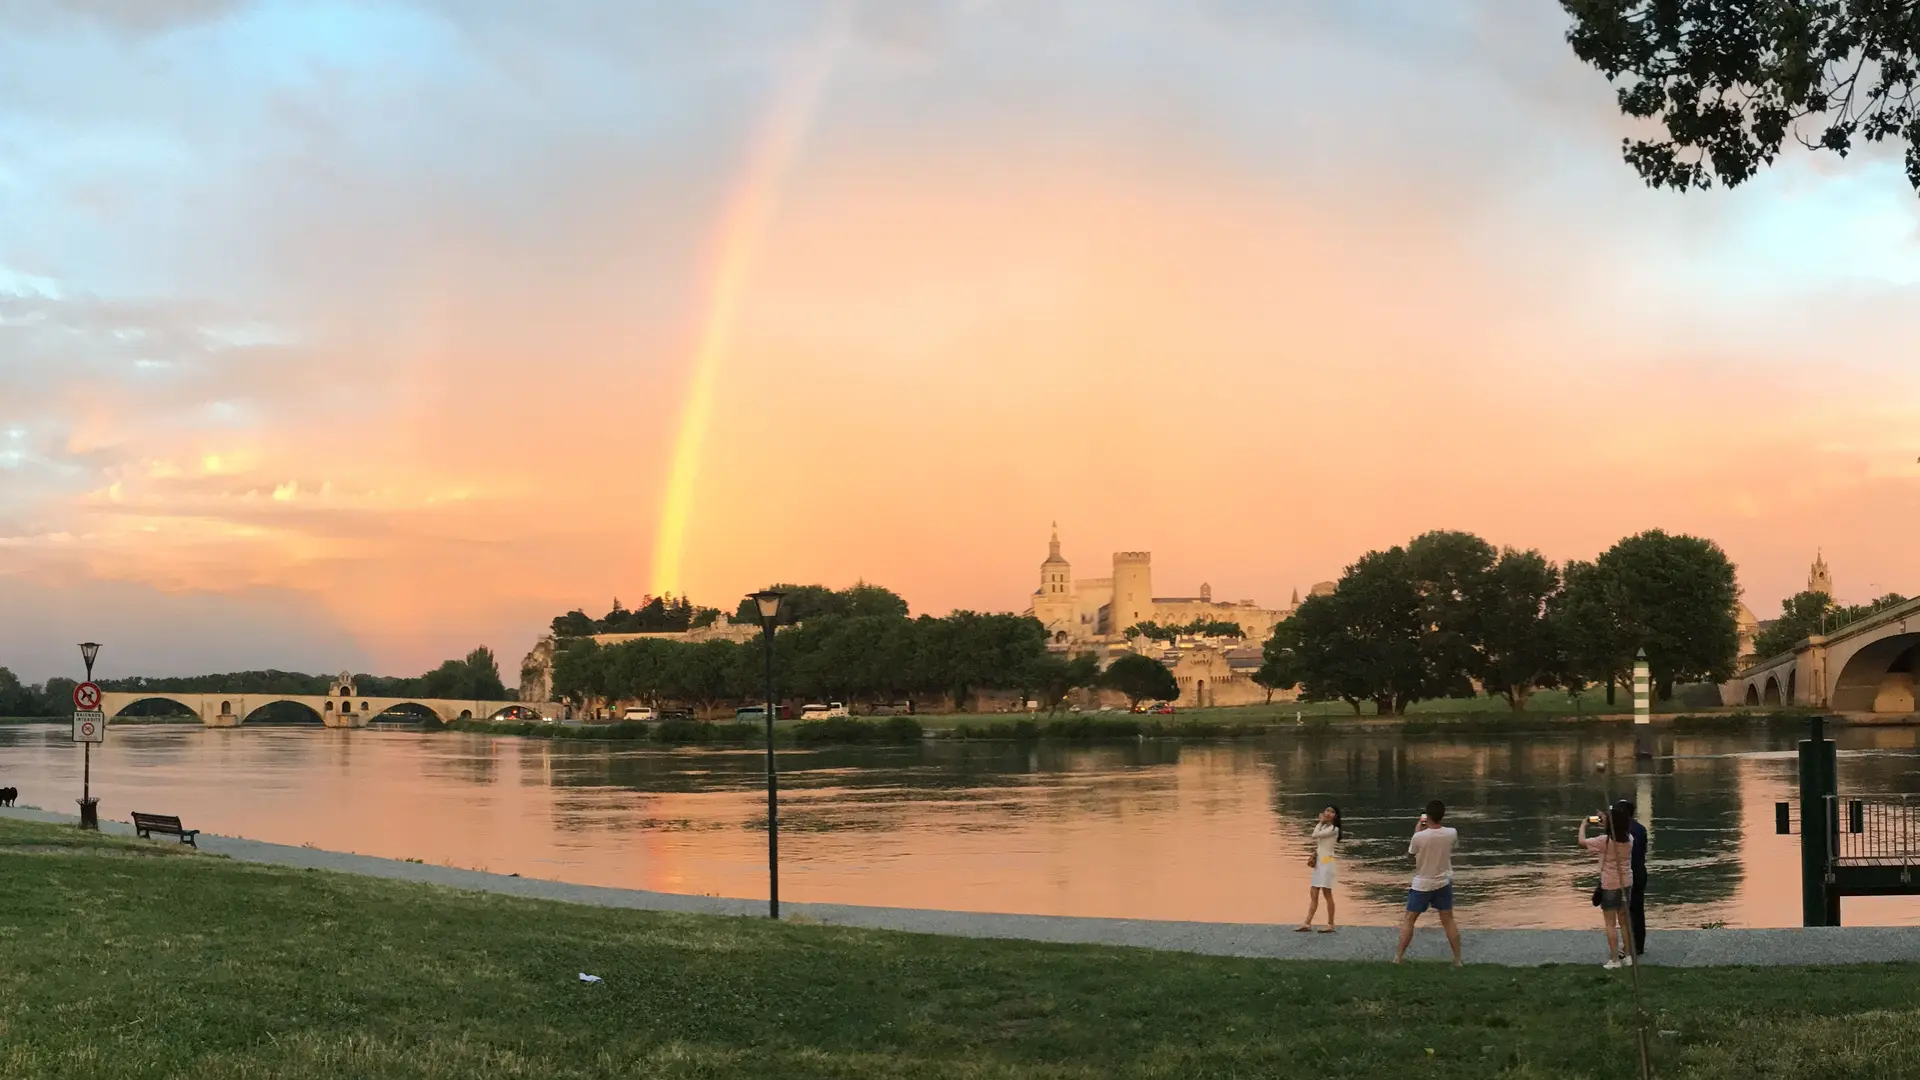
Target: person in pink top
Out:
[1615,848]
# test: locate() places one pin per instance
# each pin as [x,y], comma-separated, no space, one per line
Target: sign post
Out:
[89,727]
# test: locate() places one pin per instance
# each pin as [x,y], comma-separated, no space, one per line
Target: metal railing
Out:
[1877,830]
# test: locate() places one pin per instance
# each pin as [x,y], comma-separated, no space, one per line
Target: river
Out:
[1157,829]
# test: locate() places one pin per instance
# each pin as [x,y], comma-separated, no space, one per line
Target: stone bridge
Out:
[1867,666]
[342,706]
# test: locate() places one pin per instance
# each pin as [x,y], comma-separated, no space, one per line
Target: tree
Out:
[1278,668]
[1805,614]
[1801,615]
[1731,82]
[1153,631]
[1671,595]
[1517,645]
[1141,678]
[1057,676]
[1449,571]
[483,676]
[573,624]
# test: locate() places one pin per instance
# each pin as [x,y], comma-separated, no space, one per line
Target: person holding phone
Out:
[1432,888]
[1615,848]
[1326,834]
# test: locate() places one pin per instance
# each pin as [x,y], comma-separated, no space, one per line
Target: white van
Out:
[835,711]
[637,712]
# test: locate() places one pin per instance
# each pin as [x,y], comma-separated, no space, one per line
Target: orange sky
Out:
[321,355]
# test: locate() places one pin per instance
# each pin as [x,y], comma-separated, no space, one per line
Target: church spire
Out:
[1819,577]
[1053,546]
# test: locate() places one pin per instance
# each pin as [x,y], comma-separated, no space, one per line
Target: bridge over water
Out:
[1867,666]
[341,706]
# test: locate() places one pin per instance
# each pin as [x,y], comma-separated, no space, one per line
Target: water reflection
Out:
[1146,829]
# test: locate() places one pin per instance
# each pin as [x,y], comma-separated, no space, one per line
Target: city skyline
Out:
[342,337]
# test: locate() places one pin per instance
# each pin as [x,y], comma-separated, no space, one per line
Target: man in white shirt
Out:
[1432,851]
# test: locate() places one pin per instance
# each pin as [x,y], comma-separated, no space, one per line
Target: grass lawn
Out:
[126,959]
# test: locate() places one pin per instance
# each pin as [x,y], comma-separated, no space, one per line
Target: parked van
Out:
[757,713]
[835,711]
[637,712]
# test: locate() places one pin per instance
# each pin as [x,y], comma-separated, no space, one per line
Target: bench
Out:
[166,825]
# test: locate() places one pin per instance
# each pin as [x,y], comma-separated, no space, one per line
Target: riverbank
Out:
[218,968]
[1241,723]
[1511,948]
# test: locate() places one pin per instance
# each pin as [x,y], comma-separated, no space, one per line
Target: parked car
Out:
[835,711]
[757,713]
[638,712]
[668,715]
[1165,708]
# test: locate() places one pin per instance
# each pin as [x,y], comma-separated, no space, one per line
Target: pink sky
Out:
[337,338]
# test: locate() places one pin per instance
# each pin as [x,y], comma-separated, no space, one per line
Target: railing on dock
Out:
[1875,830]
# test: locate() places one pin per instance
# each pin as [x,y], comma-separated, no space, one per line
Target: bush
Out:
[846,730]
[680,732]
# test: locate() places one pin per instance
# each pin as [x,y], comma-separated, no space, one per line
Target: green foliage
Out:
[1057,676]
[1447,612]
[1172,632]
[55,698]
[805,602]
[1672,595]
[1362,641]
[1516,643]
[902,730]
[475,678]
[1278,668]
[1730,83]
[1141,678]
[1807,613]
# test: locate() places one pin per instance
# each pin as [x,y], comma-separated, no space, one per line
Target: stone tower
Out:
[1819,578]
[1053,601]
[1132,590]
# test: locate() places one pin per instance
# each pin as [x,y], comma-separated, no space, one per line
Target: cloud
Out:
[384,312]
[132,16]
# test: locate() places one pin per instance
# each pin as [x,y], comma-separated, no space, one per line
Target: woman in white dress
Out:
[1326,834]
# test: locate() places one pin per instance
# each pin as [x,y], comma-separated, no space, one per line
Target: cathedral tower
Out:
[1819,578]
[1053,601]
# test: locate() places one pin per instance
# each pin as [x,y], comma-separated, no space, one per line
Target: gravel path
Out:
[1513,948]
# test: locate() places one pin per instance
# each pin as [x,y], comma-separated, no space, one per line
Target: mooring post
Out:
[1819,779]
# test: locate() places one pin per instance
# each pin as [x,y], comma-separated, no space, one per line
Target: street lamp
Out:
[768,600]
[89,806]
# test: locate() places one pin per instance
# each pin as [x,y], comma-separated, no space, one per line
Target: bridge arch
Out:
[410,710]
[1879,676]
[142,707]
[1771,695]
[287,711]
[1753,694]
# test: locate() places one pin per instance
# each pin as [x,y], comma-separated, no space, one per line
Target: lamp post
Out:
[768,600]
[89,806]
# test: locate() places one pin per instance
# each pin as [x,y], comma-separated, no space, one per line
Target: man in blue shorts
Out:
[1432,851]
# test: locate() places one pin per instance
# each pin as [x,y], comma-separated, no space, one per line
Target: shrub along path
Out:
[1514,948]
[120,958]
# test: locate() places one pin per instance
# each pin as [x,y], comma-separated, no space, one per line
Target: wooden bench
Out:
[166,825]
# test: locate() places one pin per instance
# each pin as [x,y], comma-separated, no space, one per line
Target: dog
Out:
[7,795]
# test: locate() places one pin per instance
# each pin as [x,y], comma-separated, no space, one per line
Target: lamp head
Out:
[768,601]
[89,650]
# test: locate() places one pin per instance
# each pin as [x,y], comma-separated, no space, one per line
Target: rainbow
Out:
[743,226]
